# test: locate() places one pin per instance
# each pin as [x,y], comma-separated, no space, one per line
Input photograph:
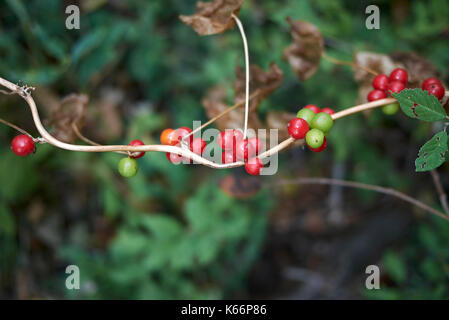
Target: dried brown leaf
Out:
[213,17]
[70,111]
[304,54]
[239,186]
[278,120]
[418,68]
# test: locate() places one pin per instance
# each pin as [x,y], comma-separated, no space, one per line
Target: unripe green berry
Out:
[391,108]
[315,138]
[128,167]
[322,121]
[306,114]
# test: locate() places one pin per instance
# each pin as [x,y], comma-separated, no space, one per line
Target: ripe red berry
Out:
[376,95]
[319,149]
[399,74]
[180,133]
[313,107]
[396,86]
[228,156]
[174,158]
[135,143]
[426,84]
[437,90]
[245,150]
[168,137]
[256,145]
[328,111]
[253,166]
[197,146]
[297,128]
[380,82]
[22,145]
[227,139]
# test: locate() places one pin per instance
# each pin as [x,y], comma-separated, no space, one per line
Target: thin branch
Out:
[364,186]
[22,131]
[440,190]
[245,47]
[348,63]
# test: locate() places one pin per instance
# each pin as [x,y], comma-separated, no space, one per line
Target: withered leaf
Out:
[304,54]
[418,68]
[213,17]
[70,111]
[262,83]
[238,186]
[278,120]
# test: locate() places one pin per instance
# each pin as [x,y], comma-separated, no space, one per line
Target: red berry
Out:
[376,95]
[380,82]
[227,139]
[328,111]
[396,86]
[197,146]
[253,166]
[297,128]
[180,133]
[168,137]
[399,74]
[228,157]
[256,145]
[241,150]
[174,158]
[22,145]
[313,107]
[437,90]
[135,143]
[319,149]
[426,84]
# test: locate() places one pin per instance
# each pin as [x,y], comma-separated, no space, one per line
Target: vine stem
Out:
[348,63]
[25,93]
[364,186]
[245,47]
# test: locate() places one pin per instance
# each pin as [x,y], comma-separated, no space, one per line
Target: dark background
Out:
[171,232]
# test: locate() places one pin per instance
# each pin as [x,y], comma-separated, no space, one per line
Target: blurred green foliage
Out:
[175,234]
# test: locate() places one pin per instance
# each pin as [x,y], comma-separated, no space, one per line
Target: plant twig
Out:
[348,63]
[364,186]
[443,196]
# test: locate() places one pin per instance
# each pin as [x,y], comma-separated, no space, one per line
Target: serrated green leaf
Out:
[418,104]
[433,153]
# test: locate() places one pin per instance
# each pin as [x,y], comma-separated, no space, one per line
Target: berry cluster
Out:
[128,166]
[312,124]
[171,137]
[382,84]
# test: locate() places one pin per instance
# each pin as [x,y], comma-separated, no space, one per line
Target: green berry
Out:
[315,138]
[306,114]
[322,121]
[128,167]
[391,108]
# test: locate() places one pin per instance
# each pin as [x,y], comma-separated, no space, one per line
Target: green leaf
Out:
[395,267]
[418,104]
[433,153]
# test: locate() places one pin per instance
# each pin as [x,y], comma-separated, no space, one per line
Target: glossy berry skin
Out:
[245,150]
[319,149]
[253,166]
[306,114]
[136,143]
[376,95]
[429,81]
[399,74]
[197,146]
[380,82]
[128,167]
[329,111]
[228,139]
[256,145]
[313,107]
[168,137]
[315,138]
[22,145]
[396,86]
[228,156]
[322,121]
[437,90]
[391,108]
[297,128]
[174,158]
